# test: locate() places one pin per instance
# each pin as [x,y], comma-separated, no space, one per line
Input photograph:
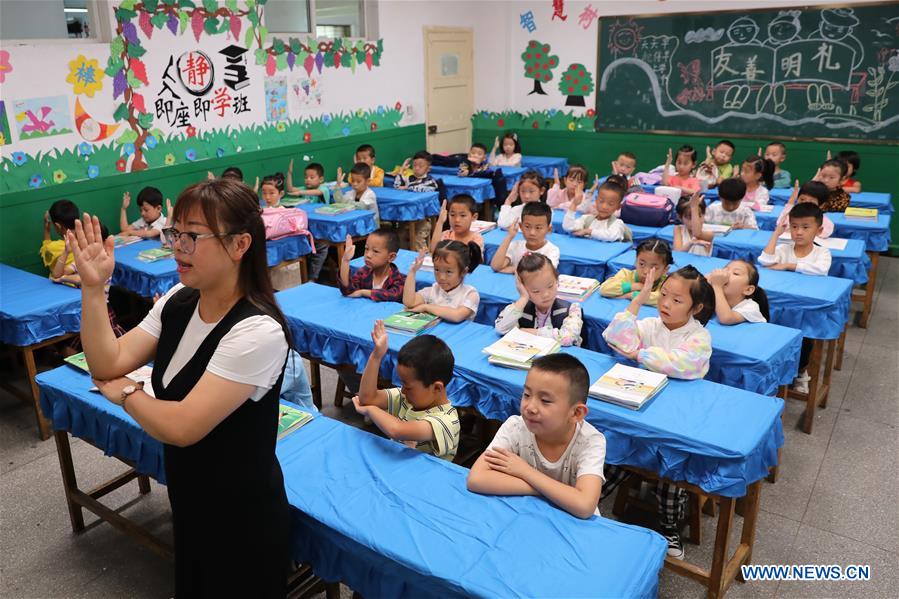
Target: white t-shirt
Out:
[716,214]
[517,250]
[252,352]
[502,160]
[749,310]
[607,229]
[508,215]
[141,225]
[816,263]
[697,249]
[585,454]
[462,296]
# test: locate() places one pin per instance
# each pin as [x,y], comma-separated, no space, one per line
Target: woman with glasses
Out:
[219,343]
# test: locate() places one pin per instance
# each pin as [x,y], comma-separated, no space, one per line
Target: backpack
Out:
[283,222]
[647,210]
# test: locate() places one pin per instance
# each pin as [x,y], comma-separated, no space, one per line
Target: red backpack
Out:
[283,222]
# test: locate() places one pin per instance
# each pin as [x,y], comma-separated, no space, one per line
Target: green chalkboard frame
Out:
[598,126]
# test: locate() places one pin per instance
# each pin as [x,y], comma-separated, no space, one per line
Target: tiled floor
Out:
[835,503]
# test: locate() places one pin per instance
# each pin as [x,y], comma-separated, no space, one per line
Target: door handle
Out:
[432,129]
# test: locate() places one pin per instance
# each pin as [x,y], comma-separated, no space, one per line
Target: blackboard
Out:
[818,72]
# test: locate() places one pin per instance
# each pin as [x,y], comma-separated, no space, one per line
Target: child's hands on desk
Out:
[94,256]
[632,355]
[503,460]
[581,232]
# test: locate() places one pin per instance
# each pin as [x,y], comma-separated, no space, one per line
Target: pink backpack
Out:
[647,210]
[283,222]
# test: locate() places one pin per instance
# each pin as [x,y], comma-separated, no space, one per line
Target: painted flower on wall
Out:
[19,158]
[35,181]
[59,176]
[169,159]
[190,154]
[591,113]
[280,127]
[150,142]
[191,131]
[85,149]
[501,122]
[572,126]
[345,131]
[93,171]
[121,164]
[398,105]
[326,119]
[374,126]
[85,75]
[128,149]
[307,137]
[220,152]
[5,66]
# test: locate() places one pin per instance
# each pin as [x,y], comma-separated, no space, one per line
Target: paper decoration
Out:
[576,82]
[5,133]
[304,94]
[275,99]
[42,117]
[85,75]
[88,127]
[538,65]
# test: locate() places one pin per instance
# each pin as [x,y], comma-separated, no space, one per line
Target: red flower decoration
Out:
[591,113]
[307,137]
[191,131]
[121,164]
[501,122]
[536,125]
[398,106]
[374,126]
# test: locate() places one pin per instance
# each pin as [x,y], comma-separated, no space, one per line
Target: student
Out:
[651,254]
[60,217]
[476,162]
[420,180]
[722,154]
[366,154]
[776,152]
[833,174]
[529,188]
[738,297]
[684,165]
[232,172]
[800,255]
[461,212]
[418,414]
[449,297]
[574,182]
[151,221]
[538,309]
[758,175]
[603,225]
[379,280]
[511,151]
[813,192]
[272,190]
[314,188]
[689,236]
[550,450]
[295,387]
[730,210]
[360,195]
[625,165]
[853,162]
[536,222]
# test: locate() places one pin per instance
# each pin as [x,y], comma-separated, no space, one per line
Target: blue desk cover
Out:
[402,205]
[392,515]
[745,244]
[336,227]
[864,199]
[545,165]
[580,257]
[818,306]
[477,187]
[752,356]
[510,173]
[639,233]
[34,309]
[874,234]
[719,438]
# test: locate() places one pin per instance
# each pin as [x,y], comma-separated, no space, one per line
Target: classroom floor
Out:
[835,501]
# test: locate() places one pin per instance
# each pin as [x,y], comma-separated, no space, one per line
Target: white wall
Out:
[30,19]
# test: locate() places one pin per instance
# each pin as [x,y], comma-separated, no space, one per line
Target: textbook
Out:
[334,209]
[428,264]
[576,288]
[144,374]
[291,419]
[296,201]
[627,386]
[78,361]
[410,323]
[855,213]
[154,254]
[518,349]
[123,240]
[482,226]
[717,229]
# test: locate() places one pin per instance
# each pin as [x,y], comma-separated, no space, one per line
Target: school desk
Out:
[818,306]
[399,205]
[705,437]
[147,279]
[874,234]
[334,228]
[545,165]
[757,358]
[779,196]
[485,541]
[579,256]
[638,233]
[511,174]
[35,312]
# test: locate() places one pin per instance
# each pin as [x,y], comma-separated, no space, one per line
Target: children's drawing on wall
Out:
[792,67]
[275,98]
[5,134]
[42,117]
[575,83]
[539,65]
[304,93]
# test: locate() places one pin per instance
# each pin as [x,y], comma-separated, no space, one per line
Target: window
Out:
[287,16]
[332,30]
[51,20]
[326,18]
[343,15]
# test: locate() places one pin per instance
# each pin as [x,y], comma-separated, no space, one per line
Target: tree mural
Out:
[211,17]
[576,82]
[538,65]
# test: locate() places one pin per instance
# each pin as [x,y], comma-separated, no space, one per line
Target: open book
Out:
[518,349]
[627,386]
[576,288]
[291,419]
[333,209]
[154,254]
[410,323]
[482,226]
[123,240]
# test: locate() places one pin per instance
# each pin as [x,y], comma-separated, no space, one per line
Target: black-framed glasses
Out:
[187,240]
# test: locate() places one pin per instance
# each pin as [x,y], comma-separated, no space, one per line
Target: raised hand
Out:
[419,260]
[614,168]
[668,158]
[290,168]
[556,177]
[829,155]
[406,164]
[126,200]
[349,249]
[759,151]
[513,228]
[513,194]
[94,256]
[648,284]
[495,142]
[379,338]
[340,175]
[696,198]
[817,176]
[795,195]
[210,176]
[443,216]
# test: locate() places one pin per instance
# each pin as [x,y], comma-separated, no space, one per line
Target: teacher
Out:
[219,343]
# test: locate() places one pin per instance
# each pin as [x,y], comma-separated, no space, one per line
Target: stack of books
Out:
[576,289]
[123,240]
[717,229]
[855,213]
[144,374]
[291,419]
[332,209]
[627,386]
[154,254]
[482,226]
[518,349]
[410,323]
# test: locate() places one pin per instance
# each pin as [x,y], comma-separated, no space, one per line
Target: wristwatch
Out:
[128,391]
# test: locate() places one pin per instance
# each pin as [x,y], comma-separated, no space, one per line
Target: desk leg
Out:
[304,270]
[316,382]
[42,424]
[814,371]
[412,227]
[841,347]
[869,290]
[717,580]
[750,519]
[69,482]
[828,371]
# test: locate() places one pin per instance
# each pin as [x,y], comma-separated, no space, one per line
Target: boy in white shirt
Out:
[151,221]
[800,254]
[604,225]
[360,194]
[730,210]
[536,223]
[549,450]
